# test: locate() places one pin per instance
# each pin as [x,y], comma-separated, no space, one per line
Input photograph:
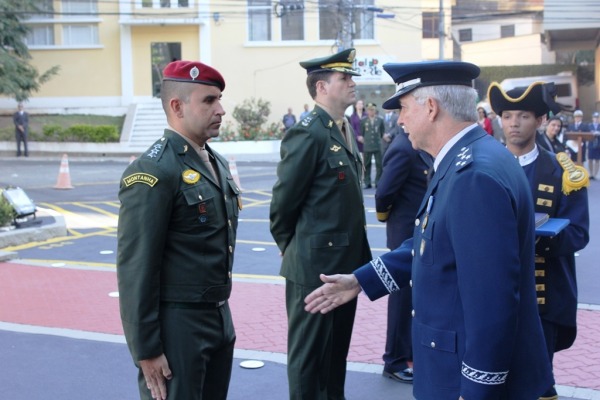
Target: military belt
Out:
[193,306]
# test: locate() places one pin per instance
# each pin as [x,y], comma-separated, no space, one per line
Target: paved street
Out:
[59,322]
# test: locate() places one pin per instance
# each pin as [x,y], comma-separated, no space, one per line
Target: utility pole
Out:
[441,30]
[345,15]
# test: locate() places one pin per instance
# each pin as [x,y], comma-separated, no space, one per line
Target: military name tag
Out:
[140,177]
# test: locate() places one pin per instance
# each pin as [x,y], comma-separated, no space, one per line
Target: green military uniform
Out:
[372,130]
[176,238]
[318,221]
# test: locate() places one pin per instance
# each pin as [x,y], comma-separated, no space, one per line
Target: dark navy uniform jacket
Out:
[185,253]
[476,328]
[401,188]
[555,257]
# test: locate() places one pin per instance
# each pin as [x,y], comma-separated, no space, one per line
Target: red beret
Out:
[193,72]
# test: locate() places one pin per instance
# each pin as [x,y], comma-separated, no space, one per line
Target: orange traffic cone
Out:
[234,172]
[64,177]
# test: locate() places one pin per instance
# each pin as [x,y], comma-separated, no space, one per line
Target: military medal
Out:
[427,211]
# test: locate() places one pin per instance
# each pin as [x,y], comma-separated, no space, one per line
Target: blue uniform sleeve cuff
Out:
[388,273]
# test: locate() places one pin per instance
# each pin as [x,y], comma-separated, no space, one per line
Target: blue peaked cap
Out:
[410,76]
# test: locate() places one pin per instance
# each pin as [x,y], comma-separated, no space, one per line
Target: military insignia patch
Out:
[464,157]
[153,152]
[330,124]
[190,176]
[194,73]
[140,177]
[335,148]
[306,121]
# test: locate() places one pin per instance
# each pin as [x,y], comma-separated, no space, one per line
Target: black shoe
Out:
[367,186]
[405,376]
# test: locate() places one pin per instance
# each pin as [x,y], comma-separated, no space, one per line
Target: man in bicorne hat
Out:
[556,192]
[318,222]
[476,330]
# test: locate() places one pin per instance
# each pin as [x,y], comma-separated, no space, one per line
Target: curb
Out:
[19,236]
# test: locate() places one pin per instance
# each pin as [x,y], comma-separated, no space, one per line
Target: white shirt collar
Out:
[528,158]
[449,145]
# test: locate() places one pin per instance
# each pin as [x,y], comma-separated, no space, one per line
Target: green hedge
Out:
[81,133]
[66,128]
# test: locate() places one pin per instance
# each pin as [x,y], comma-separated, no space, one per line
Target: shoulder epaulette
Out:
[574,176]
[464,158]
[156,150]
[309,119]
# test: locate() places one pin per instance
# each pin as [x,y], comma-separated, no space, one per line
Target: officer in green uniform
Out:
[318,221]
[176,236]
[373,129]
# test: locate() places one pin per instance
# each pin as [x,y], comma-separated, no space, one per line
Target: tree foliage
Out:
[252,113]
[18,78]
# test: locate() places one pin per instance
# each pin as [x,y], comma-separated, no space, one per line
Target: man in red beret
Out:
[176,236]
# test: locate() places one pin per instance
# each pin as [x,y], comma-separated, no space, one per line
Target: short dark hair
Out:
[313,78]
[556,119]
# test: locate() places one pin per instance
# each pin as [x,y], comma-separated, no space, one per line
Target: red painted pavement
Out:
[78,299]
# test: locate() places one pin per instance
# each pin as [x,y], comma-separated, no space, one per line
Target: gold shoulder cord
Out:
[574,176]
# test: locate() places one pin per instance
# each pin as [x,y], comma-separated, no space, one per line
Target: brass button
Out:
[230,249]
[432,345]
[412,313]
[417,222]
[410,283]
[330,244]
[200,197]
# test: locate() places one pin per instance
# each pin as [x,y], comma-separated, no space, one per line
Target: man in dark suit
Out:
[398,195]
[476,330]
[176,237]
[390,122]
[578,126]
[556,192]
[21,121]
[318,221]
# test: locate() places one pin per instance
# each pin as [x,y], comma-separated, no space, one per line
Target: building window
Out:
[259,20]
[431,25]
[46,9]
[80,35]
[80,7]
[465,35]
[332,18]
[292,19]
[507,31]
[40,35]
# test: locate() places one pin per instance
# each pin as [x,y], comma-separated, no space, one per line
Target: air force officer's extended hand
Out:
[337,290]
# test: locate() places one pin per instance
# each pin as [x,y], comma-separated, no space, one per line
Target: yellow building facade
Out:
[111,53]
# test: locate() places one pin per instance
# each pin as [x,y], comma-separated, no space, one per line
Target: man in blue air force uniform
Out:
[559,190]
[476,331]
